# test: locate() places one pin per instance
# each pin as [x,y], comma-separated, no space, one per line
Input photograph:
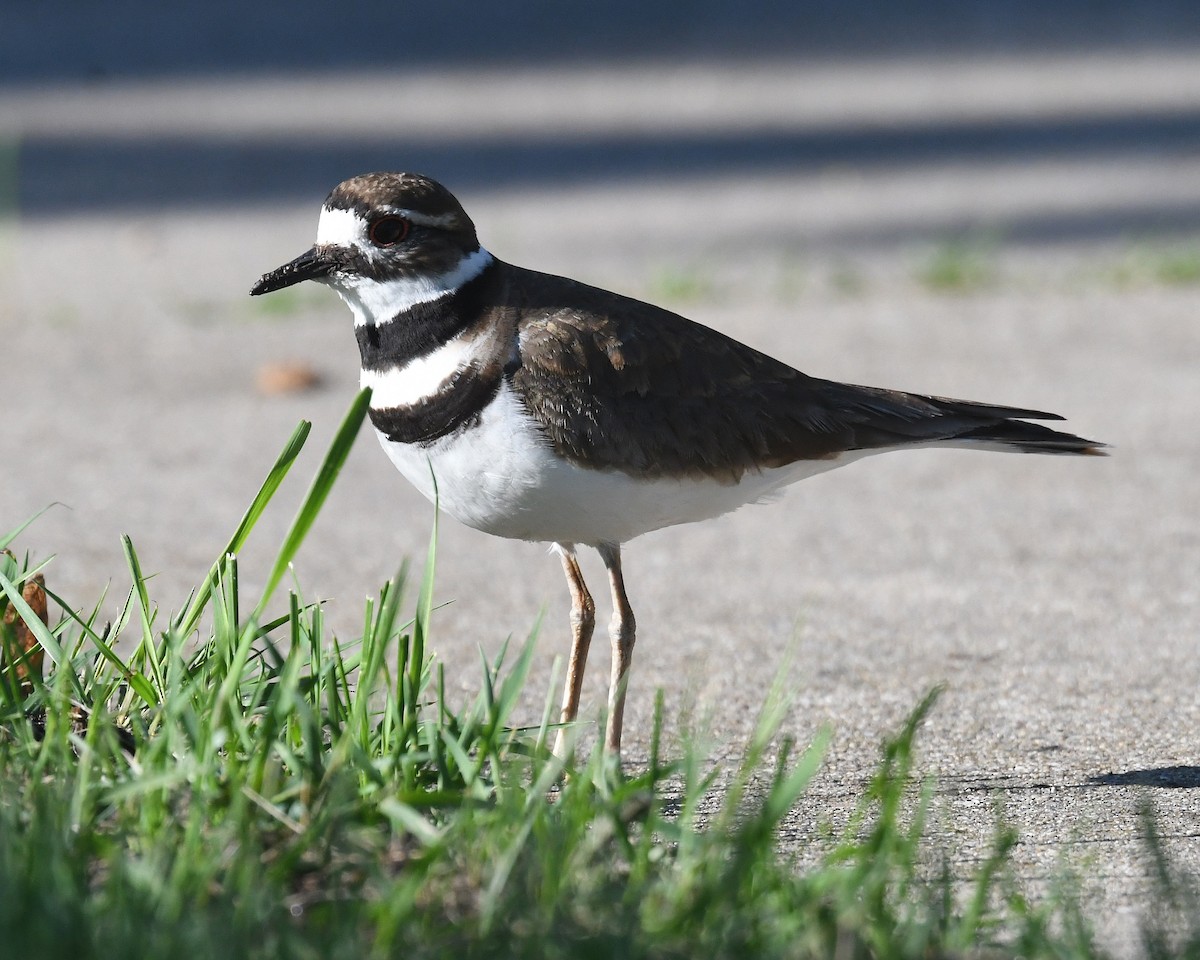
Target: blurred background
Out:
[998,200]
[126,106]
[980,198]
[995,199]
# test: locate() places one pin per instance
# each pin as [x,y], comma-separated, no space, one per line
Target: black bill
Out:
[308,266]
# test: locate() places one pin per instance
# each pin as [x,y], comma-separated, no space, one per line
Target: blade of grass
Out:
[137,681]
[144,614]
[420,631]
[406,818]
[187,621]
[339,450]
[792,784]
[13,534]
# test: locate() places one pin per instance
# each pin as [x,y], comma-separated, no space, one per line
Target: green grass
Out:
[962,264]
[1159,262]
[243,783]
[848,279]
[293,300]
[680,284]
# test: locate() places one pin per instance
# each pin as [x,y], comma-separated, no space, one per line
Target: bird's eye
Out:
[388,231]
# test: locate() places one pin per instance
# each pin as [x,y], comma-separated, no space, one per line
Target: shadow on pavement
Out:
[87,173]
[58,41]
[1178,777]
[64,40]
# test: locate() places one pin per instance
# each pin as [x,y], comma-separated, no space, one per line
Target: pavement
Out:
[1014,225]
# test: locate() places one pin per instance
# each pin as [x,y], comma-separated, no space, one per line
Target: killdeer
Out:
[549,410]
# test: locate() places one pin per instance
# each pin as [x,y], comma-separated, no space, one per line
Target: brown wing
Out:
[617,383]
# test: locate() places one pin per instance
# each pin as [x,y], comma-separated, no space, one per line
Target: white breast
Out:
[502,477]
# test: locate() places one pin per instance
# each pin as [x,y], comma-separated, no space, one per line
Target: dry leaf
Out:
[286,376]
[20,647]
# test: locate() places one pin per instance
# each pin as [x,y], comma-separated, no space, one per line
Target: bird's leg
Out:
[583,620]
[621,631]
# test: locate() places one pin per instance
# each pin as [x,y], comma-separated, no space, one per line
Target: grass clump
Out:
[243,783]
[681,284]
[962,264]
[1159,263]
[294,301]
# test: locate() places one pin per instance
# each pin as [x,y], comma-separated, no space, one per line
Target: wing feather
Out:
[621,384]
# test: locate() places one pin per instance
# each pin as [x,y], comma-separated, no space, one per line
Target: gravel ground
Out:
[801,207]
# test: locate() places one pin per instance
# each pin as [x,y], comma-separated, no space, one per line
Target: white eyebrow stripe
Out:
[346,227]
[424,219]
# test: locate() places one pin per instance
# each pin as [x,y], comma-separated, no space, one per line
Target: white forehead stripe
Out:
[421,378]
[341,227]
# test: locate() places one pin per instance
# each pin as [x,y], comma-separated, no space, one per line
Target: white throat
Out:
[378,302]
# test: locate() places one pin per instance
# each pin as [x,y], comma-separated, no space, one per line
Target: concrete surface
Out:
[794,204]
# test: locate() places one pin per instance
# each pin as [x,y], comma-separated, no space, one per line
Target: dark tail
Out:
[1007,428]
[1032,438]
[884,419]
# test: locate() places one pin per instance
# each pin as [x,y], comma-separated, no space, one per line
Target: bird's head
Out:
[386,241]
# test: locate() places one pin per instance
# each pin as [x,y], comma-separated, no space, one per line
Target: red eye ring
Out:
[388,231]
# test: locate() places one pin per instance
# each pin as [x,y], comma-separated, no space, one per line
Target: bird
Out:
[540,408]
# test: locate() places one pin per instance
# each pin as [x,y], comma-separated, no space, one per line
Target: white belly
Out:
[502,477]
